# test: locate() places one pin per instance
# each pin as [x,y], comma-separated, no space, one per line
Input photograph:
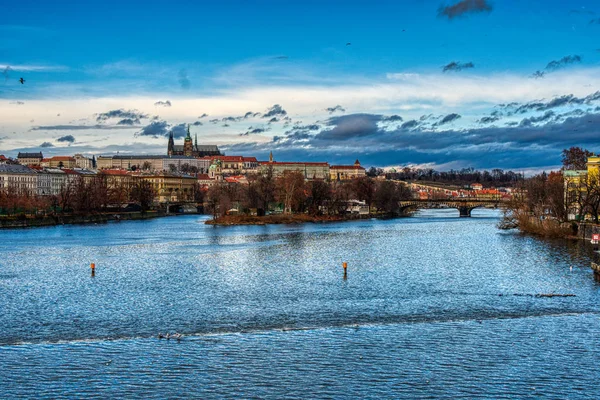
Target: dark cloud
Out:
[465,7]
[534,120]
[203,116]
[410,124]
[537,145]
[251,114]
[183,80]
[225,125]
[121,114]
[561,101]
[448,119]
[161,103]
[273,120]
[538,74]
[77,127]
[197,123]
[457,66]
[179,131]
[66,139]
[339,108]
[46,145]
[563,62]
[214,121]
[155,129]
[280,58]
[275,111]
[129,121]
[488,120]
[253,131]
[231,119]
[392,118]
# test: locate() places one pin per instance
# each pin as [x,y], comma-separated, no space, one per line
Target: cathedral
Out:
[190,149]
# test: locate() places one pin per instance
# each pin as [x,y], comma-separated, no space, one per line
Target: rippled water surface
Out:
[433,306]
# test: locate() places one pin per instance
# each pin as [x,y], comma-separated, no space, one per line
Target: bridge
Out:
[464,206]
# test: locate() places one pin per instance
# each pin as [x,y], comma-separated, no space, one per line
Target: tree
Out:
[290,190]
[142,193]
[319,194]
[363,189]
[147,166]
[387,196]
[218,200]
[575,158]
[172,168]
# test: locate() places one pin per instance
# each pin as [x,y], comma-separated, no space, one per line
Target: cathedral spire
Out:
[188,132]
[196,141]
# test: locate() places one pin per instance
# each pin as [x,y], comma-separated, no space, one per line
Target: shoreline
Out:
[56,220]
[279,219]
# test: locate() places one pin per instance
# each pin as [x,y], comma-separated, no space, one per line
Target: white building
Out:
[83,162]
[19,177]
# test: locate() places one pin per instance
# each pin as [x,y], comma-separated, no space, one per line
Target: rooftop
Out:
[15,169]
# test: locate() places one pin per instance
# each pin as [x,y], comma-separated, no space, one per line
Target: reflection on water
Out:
[432,305]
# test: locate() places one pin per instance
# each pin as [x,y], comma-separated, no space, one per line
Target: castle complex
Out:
[190,149]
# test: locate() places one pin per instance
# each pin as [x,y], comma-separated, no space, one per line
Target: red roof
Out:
[346,167]
[249,159]
[70,171]
[62,158]
[224,158]
[2,158]
[203,177]
[322,164]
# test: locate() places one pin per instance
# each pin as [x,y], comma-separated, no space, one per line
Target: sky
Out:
[447,85]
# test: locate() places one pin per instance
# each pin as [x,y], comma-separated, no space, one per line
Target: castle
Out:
[190,149]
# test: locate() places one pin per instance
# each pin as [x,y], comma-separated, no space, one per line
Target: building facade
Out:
[18,177]
[346,172]
[30,158]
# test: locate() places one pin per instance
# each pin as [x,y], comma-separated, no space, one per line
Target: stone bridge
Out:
[464,206]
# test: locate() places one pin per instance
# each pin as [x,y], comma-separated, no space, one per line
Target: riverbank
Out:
[67,219]
[282,219]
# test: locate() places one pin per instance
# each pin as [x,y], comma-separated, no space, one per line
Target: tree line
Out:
[296,195]
[495,177]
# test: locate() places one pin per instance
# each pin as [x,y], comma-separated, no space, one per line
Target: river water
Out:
[434,306]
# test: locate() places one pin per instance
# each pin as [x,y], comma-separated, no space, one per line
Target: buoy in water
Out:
[93,267]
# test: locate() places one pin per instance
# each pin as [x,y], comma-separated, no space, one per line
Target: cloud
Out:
[488,120]
[19,103]
[483,147]
[410,124]
[273,120]
[155,129]
[253,131]
[183,80]
[392,118]
[448,119]
[331,110]
[66,139]
[35,68]
[129,121]
[161,103]
[203,116]
[280,57]
[533,120]
[465,7]
[538,74]
[457,66]
[563,62]
[251,114]
[560,101]
[197,123]
[46,144]
[121,114]
[179,131]
[275,111]
[77,127]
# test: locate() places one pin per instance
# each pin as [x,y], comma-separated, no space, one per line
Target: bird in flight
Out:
[22,81]
[348,44]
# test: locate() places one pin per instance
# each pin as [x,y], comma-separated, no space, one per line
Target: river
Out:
[434,306]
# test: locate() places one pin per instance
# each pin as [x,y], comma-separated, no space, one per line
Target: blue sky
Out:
[82,59]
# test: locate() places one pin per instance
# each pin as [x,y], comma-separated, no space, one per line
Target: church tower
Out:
[188,146]
[171,145]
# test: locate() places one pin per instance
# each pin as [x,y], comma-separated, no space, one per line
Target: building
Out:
[3,160]
[30,158]
[310,170]
[62,162]
[189,148]
[346,172]
[171,188]
[235,165]
[476,186]
[576,184]
[179,163]
[83,162]
[19,177]
[131,162]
